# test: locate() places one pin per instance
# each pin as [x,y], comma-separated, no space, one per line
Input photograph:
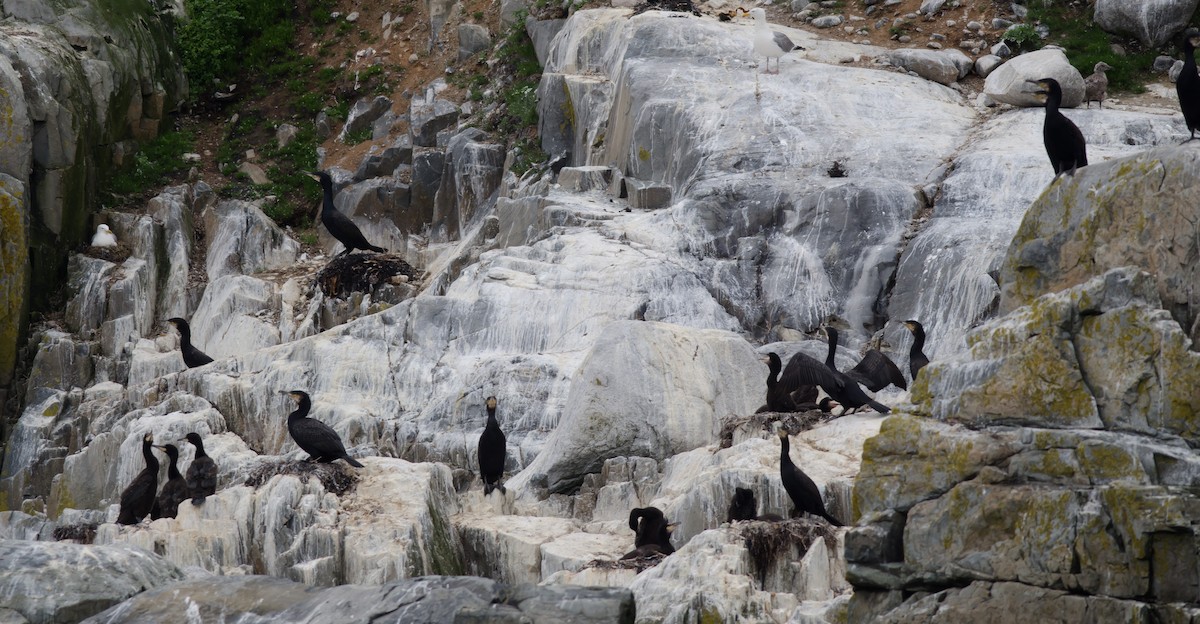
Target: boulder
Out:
[584,179]
[63,582]
[472,38]
[1007,83]
[386,162]
[429,117]
[242,240]
[363,115]
[944,66]
[1154,22]
[986,64]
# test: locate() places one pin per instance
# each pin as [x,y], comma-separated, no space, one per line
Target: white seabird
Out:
[103,237]
[769,43]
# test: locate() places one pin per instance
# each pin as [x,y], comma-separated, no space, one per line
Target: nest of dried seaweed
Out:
[337,478]
[116,255]
[82,533]
[793,422]
[767,541]
[363,273]
[641,564]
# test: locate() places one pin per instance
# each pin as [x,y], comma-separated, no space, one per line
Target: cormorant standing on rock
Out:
[1095,87]
[651,527]
[202,473]
[1064,142]
[175,490]
[875,371]
[138,497]
[192,356]
[491,451]
[800,488]
[916,354]
[780,396]
[314,437]
[803,369]
[1188,83]
[339,225]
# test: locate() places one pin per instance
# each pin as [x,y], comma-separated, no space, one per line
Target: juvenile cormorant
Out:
[138,497]
[801,489]
[743,506]
[175,490]
[1188,83]
[916,354]
[1064,142]
[192,356]
[769,43]
[202,473]
[875,371]
[314,437]
[784,398]
[1095,87]
[339,225]
[491,452]
[803,369]
[651,527]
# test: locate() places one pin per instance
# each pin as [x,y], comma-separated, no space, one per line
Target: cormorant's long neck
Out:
[773,378]
[829,356]
[327,198]
[1189,54]
[302,410]
[1053,101]
[492,422]
[918,342]
[200,450]
[173,469]
[148,454]
[185,335]
[785,446]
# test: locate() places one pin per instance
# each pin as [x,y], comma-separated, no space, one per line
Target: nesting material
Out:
[363,273]
[336,478]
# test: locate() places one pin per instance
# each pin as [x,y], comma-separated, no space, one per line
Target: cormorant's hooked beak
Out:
[291,395]
[672,526]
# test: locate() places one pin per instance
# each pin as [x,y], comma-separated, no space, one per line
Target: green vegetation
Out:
[153,165]
[224,38]
[520,74]
[1022,38]
[354,138]
[1086,44]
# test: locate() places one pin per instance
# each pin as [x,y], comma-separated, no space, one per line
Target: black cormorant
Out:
[875,370]
[202,473]
[803,369]
[491,451]
[916,354]
[339,225]
[1064,142]
[174,491]
[651,527]
[743,506]
[1188,83]
[782,397]
[314,437]
[801,489]
[138,497]
[192,356]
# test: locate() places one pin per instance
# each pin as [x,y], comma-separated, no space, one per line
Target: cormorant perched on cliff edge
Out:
[314,437]
[1188,84]
[916,354]
[175,490]
[652,532]
[339,225]
[803,369]
[492,451]
[202,473]
[192,356]
[782,397]
[875,370]
[1064,142]
[138,497]
[800,488]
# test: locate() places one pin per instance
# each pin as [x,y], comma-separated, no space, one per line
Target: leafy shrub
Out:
[152,165]
[221,38]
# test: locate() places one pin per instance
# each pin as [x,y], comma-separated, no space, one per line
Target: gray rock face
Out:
[432,599]
[944,66]
[929,7]
[986,64]
[427,119]
[61,582]
[472,38]
[242,240]
[1007,83]
[1154,22]
[385,163]
[363,115]
[471,172]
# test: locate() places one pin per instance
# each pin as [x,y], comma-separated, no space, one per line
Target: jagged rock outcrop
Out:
[1154,22]
[76,79]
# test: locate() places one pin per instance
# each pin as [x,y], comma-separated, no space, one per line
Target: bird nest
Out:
[792,422]
[363,272]
[678,6]
[640,564]
[336,478]
[82,533]
[116,255]
[767,541]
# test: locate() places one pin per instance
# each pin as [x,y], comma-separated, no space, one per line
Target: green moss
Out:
[1105,463]
[445,559]
[643,154]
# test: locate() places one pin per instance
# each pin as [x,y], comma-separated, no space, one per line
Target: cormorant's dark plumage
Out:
[800,488]
[1064,142]
[138,497]
[875,370]
[916,354]
[192,356]
[175,490]
[202,473]
[782,397]
[651,527]
[1188,84]
[339,225]
[314,437]
[491,451]
[803,369]
[743,506]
